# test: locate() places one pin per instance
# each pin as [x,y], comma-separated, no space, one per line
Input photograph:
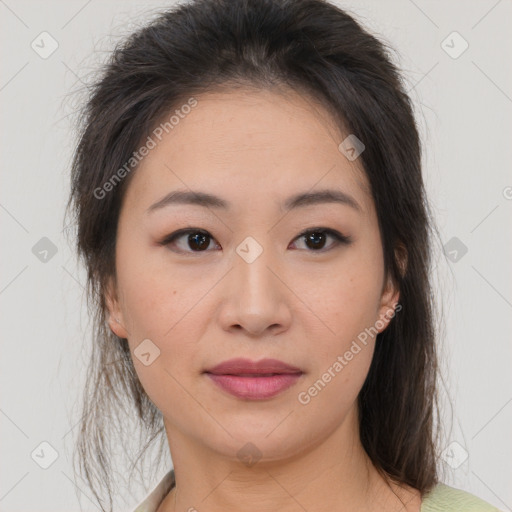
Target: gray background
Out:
[464,108]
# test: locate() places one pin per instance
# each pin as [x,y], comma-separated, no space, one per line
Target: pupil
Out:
[199,239]
[313,237]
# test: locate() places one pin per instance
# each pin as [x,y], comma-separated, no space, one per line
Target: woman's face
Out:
[248,285]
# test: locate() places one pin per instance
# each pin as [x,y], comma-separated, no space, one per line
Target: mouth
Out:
[250,380]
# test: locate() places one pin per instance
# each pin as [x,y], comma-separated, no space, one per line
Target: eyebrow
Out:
[297,201]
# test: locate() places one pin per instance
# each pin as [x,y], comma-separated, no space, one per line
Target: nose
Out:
[257,297]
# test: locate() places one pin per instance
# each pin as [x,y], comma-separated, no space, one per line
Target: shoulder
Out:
[443,498]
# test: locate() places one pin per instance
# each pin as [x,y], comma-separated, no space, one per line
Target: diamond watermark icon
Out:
[351,147]
[44,45]
[249,249]
[44,455]
[44,250]
[455,455]
[147,352]
[454,45]
[249,454]
[455,249]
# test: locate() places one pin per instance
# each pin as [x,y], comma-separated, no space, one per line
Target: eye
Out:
[198,240]
[315,239]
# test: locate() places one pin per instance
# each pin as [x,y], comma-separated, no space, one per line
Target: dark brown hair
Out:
[318,49]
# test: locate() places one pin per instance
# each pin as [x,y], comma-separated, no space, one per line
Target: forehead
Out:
[250,142]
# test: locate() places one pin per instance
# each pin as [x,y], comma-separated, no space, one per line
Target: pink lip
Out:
[255,388]
[240,366]
[244,378]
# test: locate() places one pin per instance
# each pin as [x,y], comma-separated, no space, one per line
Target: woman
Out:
[252,215]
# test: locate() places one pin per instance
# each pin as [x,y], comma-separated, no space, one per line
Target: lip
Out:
[255,388]
[241,366]
[251,380]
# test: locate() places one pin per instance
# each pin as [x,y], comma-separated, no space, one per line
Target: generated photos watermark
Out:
[304,397]
[143,151]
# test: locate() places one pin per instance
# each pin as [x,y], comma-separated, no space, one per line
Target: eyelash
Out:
[338,237]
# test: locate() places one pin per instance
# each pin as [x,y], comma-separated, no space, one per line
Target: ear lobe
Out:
[115,318]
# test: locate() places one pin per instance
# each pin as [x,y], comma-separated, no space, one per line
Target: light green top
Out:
[442,498]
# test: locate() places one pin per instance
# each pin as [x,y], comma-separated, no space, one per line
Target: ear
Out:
[115,318]
[390,292]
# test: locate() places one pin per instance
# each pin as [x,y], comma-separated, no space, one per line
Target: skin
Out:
[255,148]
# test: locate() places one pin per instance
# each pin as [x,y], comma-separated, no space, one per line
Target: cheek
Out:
[333,392]
[163,304]
[155,309]
[344,345]
[149,303]
[155,295]
[345,304]
[350,308]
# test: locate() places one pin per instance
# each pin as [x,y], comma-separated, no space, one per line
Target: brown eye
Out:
[189,240]
[198,241]
[315,239]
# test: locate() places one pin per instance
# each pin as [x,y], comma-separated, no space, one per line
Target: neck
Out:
[334,475]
